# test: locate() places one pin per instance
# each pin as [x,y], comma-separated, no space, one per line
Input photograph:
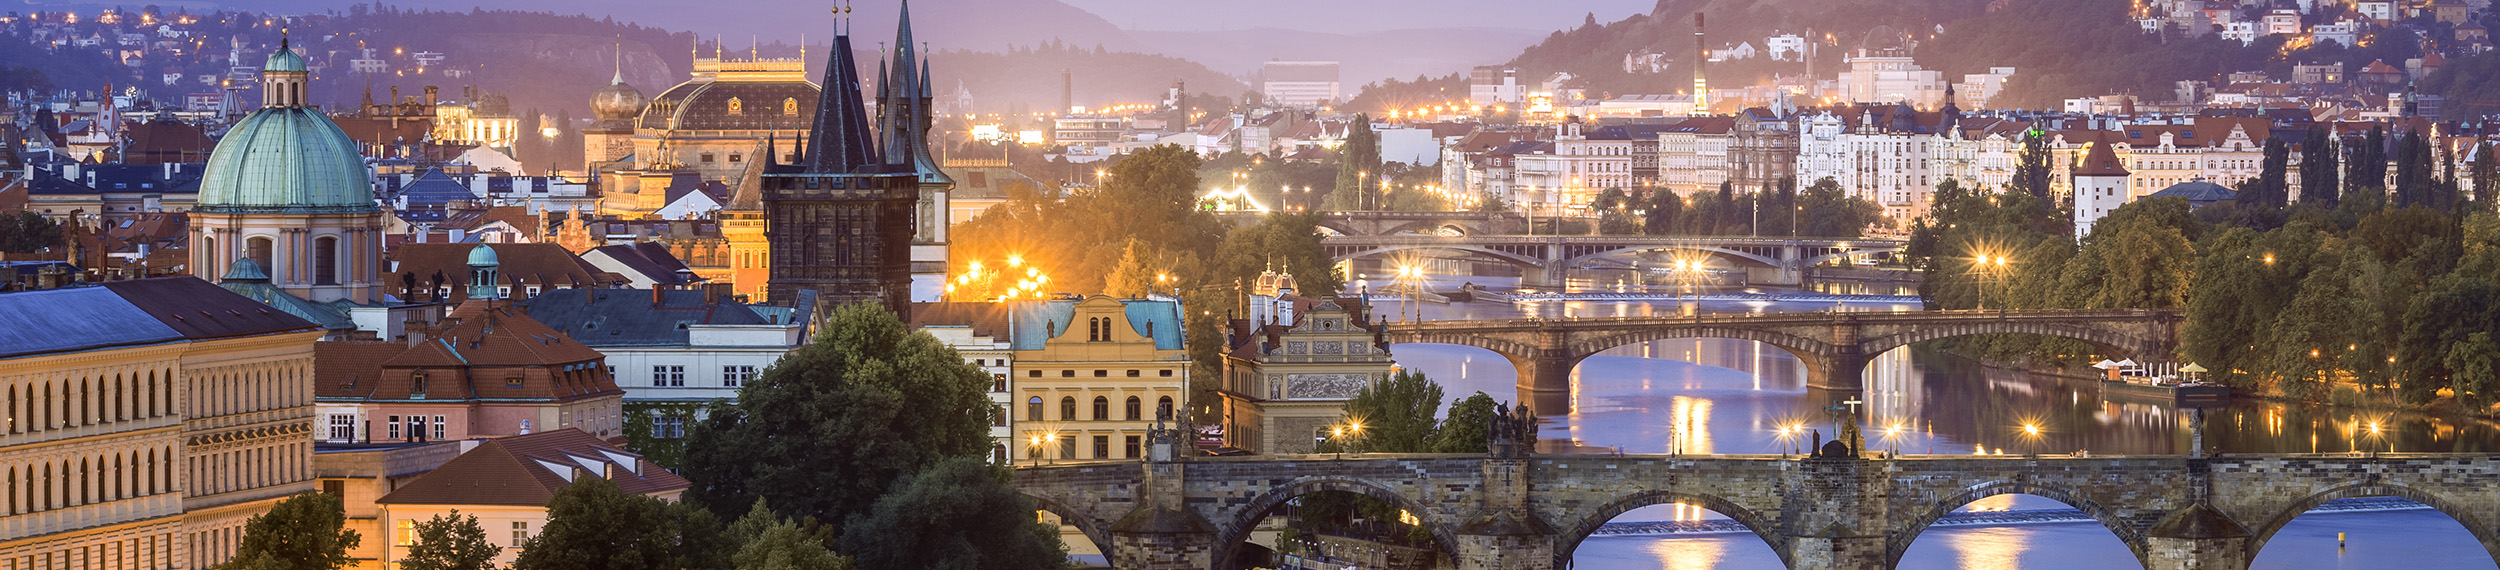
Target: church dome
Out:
[289,159]
[285,60]
[617,101]
[733,105]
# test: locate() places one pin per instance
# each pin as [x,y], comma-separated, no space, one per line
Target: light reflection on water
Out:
[1725,396]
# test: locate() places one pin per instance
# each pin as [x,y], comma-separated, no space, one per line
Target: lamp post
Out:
[2031,436]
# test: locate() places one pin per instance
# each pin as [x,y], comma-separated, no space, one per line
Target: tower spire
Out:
[619,79]
[840,141]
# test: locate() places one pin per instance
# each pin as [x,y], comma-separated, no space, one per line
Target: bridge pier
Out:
[2197,538]
[1836,372]
[1841,522]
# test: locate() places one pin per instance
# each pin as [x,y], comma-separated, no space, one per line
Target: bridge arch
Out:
[1347,253]
[1095,531]
[2115,341]
[2473,524]
[1715,251]
[1821,257]
[1587,523]
[1897,540]
[1800,347]
[1237,524]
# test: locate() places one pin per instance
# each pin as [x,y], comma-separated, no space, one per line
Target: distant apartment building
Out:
[1569,174]
[1291,364]
[980,332]
[1693,155]
[1979,90]
[1301,83]
[1088,130]
[1492,85]
[1882,71]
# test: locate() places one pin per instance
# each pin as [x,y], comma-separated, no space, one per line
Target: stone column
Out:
[1792,265]
[2197,538]
[1545,376]
[1840,519]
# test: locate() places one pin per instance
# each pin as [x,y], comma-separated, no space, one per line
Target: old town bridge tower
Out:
[840,221]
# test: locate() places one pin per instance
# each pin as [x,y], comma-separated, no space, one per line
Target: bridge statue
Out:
[1510,510]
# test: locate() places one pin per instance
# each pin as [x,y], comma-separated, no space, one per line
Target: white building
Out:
[1881,154]
[2100,187]
[981,333]
[673,350]
[1693,154]
[1979,90]
[1575,169]
[1785,47]
[1301,83]
[1882,72]
[1495,85]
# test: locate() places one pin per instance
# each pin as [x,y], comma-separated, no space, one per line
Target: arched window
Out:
[1033,409]
[1133,409]
[1093,329]
[1067,408]
[257,249]
[998,453]
[209,261]
[790,107]
[326,260]
[1163,407]
[1102,408]
[737,107]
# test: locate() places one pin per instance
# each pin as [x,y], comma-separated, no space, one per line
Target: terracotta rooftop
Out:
[527,470]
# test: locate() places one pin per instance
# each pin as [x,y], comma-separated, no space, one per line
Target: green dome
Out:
[286,159]
[483,256]
[285,60]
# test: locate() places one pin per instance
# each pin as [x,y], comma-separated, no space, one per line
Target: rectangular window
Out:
[393,422]
[342,428]
[438,427]
[1102,447]
[998,382]
[1102,374]
[735,376]
[1067,374]
[1067,447]
[335,488]
[668,376]
[668,426]
[1132,448]
[1033,373]
[1164,373]
[1132,374]
[407,532]
[520,533]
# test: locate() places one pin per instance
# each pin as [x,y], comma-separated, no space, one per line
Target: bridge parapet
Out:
[2173,512]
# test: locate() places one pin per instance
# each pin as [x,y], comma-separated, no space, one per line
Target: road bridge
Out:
[1383,223]
[1520,512]
[1834,347]
[1768,260]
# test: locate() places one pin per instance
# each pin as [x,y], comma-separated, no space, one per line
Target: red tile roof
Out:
[527,470]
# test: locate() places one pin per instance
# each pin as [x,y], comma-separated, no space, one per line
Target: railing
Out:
[1599,460]
[1865,243]
[1795,317]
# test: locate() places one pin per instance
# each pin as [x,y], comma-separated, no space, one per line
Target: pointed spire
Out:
[620,65]
[840,139]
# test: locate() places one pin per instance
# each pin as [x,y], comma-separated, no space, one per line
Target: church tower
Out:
[840,221]
[288,190]
[905,112]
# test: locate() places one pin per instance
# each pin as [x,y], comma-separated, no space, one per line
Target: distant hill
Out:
[1365,57]
[1028,78]
[944,24]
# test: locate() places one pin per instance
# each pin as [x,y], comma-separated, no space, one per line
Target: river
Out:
[1730,396]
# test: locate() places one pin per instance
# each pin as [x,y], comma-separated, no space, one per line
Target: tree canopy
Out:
[303,532]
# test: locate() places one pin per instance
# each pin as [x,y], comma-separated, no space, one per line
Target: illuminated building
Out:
[1291,365]
[1093,375]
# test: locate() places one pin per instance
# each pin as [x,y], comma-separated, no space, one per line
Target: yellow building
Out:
[1092,375]
[1292,364]
[147,421]
[710,126]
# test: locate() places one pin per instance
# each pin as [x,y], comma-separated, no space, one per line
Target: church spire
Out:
[840,142]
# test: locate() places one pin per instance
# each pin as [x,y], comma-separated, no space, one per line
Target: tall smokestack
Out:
[1067,91]
[1701,58]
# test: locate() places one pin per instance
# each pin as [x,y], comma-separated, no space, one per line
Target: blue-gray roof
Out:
[286,159]
[628,317]
[2198,192]
[434,188]
[64,320]
[1033,318]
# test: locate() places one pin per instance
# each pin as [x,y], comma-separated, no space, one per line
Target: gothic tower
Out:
[840,221]
[905,112]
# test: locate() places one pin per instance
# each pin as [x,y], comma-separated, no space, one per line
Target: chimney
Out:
[430,94]
[658,296]
[1701,58]
[1067,90]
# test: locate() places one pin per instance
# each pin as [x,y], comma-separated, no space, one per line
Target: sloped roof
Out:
[988,319]
[2198,191]
[132,313]
[650,259]
[631,317]
[542,264]
[491,333]
[435,188]
[2100,161]
[527,470]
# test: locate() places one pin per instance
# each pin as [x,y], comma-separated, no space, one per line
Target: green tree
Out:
[303,532]
[1286,242]
[769,542]
[592,525]
[2267,192]
[450,542]
[1831,212]
[2031,168]
[1468,428]
[959,514]
[1145,268]
[2317,169]
[833,424]
[1664,208]
[1358,168]
[2365,170]
[1396,415]
[1489,202]
[28,232]
[2486,176]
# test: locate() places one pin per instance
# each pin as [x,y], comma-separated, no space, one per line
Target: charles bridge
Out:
[1521,512]
[1833,347]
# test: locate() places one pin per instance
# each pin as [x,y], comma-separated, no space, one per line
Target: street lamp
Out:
[1990,267]
[2030,436]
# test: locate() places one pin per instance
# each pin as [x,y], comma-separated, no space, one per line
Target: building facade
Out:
[1290,367]
[1093,375]
[506,483]
[840,222]
[147,421]
[980,332]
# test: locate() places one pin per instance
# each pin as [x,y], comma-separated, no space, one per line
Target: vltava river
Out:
[1727,396]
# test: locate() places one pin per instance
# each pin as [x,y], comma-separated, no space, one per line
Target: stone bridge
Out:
[1383,223]
[1530,513]
[1771,261]
[1834,347]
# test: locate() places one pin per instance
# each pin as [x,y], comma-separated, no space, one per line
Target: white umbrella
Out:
[2104,364]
